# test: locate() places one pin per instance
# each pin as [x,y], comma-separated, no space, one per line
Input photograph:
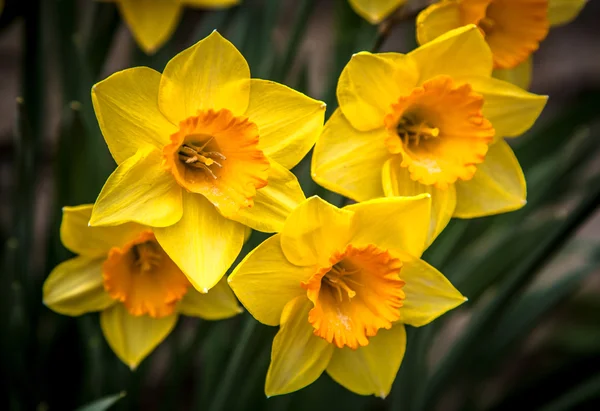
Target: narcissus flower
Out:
[152,22]
[375,11]
[512,28]
[432,121]
[342,283]
[202,150]
[123,272]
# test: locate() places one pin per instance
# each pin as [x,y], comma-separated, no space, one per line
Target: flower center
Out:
[216,154]
[513,28]
[143,277]
[194,153]
[359,293]
[413,130]
[440,132]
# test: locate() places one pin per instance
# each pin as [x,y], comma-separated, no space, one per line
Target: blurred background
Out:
[529,337]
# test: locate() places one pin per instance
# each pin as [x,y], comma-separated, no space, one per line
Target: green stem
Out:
[233,368]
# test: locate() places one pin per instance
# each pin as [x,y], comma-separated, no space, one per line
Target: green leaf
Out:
[483,319]
[103,403]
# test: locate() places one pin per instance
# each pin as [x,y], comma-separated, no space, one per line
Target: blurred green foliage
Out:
[522,271]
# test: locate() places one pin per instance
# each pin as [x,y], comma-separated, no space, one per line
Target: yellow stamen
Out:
[146,256]
[410,132]
[335,278]
[194,156]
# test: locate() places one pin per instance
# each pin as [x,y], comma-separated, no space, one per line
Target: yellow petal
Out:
[511,110]
[520,76]
[371,83]
[298,357]
[141,191]
[395,223]
[133,338]
[219,303]
[498,185]
[564,11]
[76,287]
[314,231]
[397,182]
[210,3]
[374,11]
[265,281]
[151,22]
[212,74]
[288,121]
[348,161]
[459,52]
[428,294]
[126,105]
[370,370]
[274,202]
[203,243]
[437,19]
[80,238]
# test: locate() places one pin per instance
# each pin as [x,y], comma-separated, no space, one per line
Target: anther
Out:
[194,156]
[337,278]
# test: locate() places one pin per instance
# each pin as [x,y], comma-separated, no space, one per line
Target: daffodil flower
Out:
[512,28]
[202,150]
[123,272]
[375,11]
[431,121]
[152,22]
[341,284]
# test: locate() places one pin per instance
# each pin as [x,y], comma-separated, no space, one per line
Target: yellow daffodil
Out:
[341,283]
[202,150]
[152,22]
[123,272]
[431,121]
[512,28]
[375,11]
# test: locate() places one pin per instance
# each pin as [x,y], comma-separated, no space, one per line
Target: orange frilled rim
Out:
[440,132]
[143,277]
[354,297]
[512,28]
[216,154]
